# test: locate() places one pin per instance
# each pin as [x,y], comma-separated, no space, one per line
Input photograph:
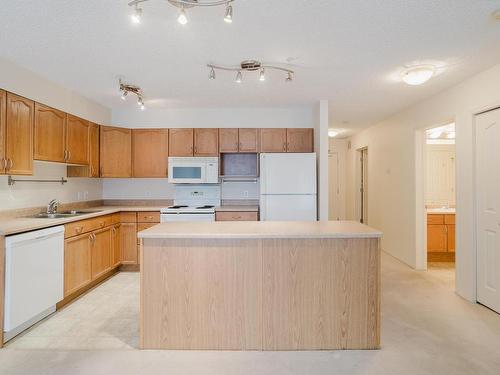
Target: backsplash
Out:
[36,194]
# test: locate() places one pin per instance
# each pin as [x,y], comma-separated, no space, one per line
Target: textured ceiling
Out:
[347,51]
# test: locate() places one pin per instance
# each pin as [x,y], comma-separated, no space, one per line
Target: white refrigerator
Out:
[288,187]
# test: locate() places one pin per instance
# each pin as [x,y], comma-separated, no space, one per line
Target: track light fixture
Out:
[126,88]
[250,66]
[183,5]
[137,14]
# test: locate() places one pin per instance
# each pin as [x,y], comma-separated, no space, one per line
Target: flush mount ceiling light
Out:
[126,88]
[496,15]
[250,66]
[332,133]
[418,75]
[182,5]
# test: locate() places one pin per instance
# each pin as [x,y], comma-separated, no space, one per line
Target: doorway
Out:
[438,165]
[334,186]
[363,185]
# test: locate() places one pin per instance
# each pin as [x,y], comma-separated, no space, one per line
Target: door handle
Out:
[10,164]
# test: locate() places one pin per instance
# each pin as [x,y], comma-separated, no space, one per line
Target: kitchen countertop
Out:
[441,211]
[260,229]
[24,224]
[16,225]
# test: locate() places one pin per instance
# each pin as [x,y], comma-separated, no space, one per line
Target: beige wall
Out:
[392,173]
[338,146]
[30,85]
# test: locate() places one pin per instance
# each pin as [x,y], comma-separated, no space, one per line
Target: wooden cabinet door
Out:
[248,140]
[19,135]
[150,152]
[77,140]
[93,150]
[450,238]
[272,140]
[101,246]
[128,242]
[299,140]
[180,142]
[228,140]
[116,149]
[116,253]
[3,114]
[77,263]
[436,238]
[206,142]
[50,134]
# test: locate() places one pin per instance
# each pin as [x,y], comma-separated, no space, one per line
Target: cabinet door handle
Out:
[65,155]
[4,163]
[91,171]
[10,164]
[284,146]
[78,230]
[69,154]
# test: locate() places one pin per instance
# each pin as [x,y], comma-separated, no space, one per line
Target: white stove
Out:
[192,203]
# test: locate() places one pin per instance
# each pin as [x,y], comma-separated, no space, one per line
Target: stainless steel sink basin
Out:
[61,215]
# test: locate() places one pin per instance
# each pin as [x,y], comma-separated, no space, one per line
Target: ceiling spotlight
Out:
[228,17]
[127,88]
[332,133]
[143,107]
[262,75]
[289,77]
[182,19]
[418,75]
[136,16]
[124,95]
[212,74]
[239,77]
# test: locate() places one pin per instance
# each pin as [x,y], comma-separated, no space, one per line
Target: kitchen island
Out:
[260,286]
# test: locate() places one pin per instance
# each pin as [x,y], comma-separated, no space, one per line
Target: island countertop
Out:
[260,229]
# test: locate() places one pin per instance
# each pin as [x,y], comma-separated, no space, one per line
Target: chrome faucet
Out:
[52,206]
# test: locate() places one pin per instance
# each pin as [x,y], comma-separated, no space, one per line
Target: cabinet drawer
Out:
[115,218]
[148,217]
[435,219]
[236,216]
[449,219]
[84,226]
[128,217]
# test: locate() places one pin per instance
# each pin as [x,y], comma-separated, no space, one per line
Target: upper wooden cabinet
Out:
[77,140]
[299,140]
[180,142]
[273,140]
[248,140]
[206,142]
[3,114]
[150,152]
[115,155]
[228,140]
[18,140]
[238,140]
[50,134]
[92,169]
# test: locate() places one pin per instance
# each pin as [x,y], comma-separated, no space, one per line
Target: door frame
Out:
[361,205]
[420,190]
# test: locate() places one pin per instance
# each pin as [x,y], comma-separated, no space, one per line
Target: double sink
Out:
[62,214]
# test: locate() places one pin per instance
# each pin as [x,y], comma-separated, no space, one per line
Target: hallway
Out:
[426,329]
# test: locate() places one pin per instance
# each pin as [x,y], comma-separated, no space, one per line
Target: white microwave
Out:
[197,170]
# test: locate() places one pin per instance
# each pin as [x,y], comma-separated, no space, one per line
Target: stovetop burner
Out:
[205,206]
[178,206]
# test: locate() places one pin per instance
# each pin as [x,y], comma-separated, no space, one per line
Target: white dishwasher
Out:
[34,277]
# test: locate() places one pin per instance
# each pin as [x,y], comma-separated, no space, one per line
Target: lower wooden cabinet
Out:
[128,243]
[77,263]
[440,233]
[101,246]
[116,252]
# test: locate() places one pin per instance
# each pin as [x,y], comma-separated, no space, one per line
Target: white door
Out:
[488,208]
[288,173]
[288,208]
[334,187]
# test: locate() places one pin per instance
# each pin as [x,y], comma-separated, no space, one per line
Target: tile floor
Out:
[426,329]
[105,318]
